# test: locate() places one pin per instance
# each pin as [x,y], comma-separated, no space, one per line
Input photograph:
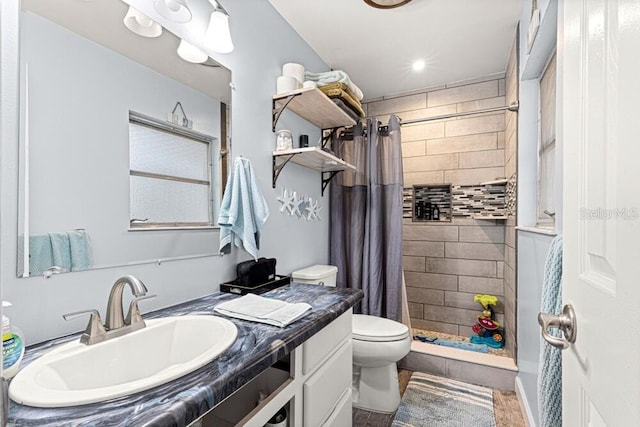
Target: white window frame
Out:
[546,169]
[138,224]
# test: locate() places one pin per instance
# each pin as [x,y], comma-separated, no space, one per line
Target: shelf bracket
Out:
[276,112]
[326,181]
[277,168]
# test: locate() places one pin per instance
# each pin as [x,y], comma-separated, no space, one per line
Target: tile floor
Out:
[505,404]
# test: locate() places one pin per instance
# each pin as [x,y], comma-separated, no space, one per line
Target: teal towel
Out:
[334,76]
[550,363]
[80,248]
[40,254]
[61,250]
[244,210]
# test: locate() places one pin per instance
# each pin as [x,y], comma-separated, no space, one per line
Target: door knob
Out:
[566,322]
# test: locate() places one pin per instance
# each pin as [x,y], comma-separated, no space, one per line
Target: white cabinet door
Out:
[599,83]
[342,414]
[322,391]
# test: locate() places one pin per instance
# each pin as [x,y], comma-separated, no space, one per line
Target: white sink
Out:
[76,374]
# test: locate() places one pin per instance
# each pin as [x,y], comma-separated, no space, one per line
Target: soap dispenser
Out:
[12,346]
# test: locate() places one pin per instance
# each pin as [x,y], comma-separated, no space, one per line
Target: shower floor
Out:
[494,351]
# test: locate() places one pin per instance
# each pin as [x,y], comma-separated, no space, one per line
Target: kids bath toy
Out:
[487,330]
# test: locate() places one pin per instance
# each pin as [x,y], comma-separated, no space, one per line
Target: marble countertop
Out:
[182,401]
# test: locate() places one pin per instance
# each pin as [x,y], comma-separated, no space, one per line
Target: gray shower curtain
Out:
[366,217]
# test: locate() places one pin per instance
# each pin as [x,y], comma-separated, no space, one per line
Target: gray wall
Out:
[532,252]
[510,170]
[263,42]
[532,246]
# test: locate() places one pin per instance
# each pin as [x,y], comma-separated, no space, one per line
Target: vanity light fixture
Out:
[141,24]
[173,10]
[190,53]
[218,36]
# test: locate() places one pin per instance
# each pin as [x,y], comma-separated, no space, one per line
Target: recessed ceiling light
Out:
[418,65]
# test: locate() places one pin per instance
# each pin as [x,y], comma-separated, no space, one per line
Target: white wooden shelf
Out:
[312,105]
[489,217]
[495,182]
[310,157]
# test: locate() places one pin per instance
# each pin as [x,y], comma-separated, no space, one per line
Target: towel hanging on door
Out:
[550,363]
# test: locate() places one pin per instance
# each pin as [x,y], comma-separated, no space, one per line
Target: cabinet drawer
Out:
[324,389]
[322,345]
[341,415]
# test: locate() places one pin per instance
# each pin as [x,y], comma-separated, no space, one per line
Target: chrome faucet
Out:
[116,324]
[115,316]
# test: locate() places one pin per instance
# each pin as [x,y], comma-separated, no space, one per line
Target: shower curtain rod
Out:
[513,107]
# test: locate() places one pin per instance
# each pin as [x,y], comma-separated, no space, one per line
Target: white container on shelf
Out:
[286,84]
[294,70]
[284,140]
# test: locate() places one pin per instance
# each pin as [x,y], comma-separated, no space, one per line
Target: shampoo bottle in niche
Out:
[12,346]
[436,213]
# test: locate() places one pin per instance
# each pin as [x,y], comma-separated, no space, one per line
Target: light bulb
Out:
[190,53]
[173,10]
[218,36]
[141,24]
[419,65]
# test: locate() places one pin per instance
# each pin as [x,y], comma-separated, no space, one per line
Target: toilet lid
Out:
[372,328]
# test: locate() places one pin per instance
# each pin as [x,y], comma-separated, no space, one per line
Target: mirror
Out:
[82,74]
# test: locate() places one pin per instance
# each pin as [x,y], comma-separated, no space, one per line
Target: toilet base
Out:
[377,388]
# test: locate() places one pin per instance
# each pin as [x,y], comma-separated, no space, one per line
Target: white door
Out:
[599,100]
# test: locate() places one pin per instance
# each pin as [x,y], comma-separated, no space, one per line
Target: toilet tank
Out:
[317,275]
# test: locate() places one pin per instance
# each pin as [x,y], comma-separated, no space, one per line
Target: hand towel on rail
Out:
[244,210]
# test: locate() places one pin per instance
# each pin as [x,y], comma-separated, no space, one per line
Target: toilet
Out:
[378,344]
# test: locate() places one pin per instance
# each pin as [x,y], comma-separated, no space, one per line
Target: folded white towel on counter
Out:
[264,310]
[323,79]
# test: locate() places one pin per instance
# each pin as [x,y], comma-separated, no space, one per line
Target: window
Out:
[547,147]
[170,170]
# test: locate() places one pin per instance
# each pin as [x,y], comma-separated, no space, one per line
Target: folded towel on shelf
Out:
[354,104]
[80,248]
[244,210]
[264,310]
[344,107]
[323,79]
[344,87]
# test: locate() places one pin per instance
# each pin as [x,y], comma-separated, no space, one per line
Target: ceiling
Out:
[457,39]
[101,21]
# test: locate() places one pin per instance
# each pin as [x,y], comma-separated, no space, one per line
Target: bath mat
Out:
[436,401]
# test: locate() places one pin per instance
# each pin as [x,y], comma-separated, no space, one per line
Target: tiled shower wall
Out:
[447,263]
[510,166]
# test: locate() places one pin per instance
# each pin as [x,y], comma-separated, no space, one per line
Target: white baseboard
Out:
[524,405]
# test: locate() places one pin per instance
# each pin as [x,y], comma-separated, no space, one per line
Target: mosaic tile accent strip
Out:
[407,202]
[512,187]
[479,200]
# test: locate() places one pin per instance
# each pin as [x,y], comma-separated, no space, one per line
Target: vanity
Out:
[304,368]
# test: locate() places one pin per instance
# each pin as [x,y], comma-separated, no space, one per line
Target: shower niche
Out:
[431,203]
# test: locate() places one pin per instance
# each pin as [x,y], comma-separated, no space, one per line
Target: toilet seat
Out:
[377,329]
